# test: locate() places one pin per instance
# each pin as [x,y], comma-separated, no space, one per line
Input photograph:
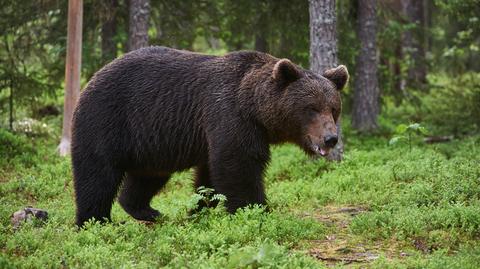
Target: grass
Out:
[382,207]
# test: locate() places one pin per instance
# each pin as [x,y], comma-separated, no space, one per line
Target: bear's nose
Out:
[331,141]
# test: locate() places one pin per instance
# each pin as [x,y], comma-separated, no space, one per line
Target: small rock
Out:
[331,237]
[27,214]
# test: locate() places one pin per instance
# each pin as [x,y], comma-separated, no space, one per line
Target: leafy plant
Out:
[208,196]
[407,133]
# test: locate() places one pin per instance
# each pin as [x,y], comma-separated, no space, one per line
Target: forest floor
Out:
[382,207]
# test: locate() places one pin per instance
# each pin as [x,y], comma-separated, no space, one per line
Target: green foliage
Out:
[267,255]
[208,196]
[449,108]
[13,148]
[30,51]
[453,104]
[186,19]
[427,196]
[430,198]
[407,133]
[457,34]
[242,22]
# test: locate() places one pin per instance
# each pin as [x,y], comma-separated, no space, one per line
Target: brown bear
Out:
[156,111]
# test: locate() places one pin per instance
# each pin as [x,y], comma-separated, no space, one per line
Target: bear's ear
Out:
[285,71]
[338,75]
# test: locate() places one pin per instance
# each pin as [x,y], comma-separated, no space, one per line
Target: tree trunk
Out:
[261,26]
[10,102]
[323,50]
[139,13]
[366,93]
[109,29]
[397,71]
[414,42]
[72,71]
[323,35]
[261,43]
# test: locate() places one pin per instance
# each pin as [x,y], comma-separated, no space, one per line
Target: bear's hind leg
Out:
[96,185]
[136,194]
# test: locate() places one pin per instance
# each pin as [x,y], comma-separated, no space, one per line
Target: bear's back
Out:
[147,107]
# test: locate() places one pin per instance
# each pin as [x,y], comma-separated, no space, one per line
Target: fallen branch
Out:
[341,259]
[437,139]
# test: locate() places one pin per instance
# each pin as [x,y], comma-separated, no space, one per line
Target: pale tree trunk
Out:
[109,29]
[323,35]
[72,71]
[139,13]
[366,92]
[323,50]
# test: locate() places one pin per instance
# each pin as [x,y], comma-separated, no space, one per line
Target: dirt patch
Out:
[340,246]
[338,216]
[334,250]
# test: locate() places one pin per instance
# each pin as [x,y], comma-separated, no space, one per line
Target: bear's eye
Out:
[314,110]
[335,114]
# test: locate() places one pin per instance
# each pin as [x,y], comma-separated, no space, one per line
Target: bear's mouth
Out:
[314,147]
[318,150]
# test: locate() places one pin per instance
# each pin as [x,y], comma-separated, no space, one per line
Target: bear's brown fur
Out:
[157,110]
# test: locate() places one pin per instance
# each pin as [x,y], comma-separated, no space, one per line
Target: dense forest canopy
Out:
[414,39]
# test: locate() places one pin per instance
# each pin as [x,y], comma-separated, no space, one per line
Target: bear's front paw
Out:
[145,214]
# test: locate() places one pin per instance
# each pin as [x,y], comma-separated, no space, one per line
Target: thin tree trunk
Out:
[72,71]
[10,101]
[323,50]
[139,13]
[109,29]
[11,80]
[397,71]
[366,92]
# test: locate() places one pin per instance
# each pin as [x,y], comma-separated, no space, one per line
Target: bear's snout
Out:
[321,135]
[331,141]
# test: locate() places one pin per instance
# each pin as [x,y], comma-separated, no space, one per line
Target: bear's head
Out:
[310,105]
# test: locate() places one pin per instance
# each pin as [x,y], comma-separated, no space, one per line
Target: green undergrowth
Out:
[426,200]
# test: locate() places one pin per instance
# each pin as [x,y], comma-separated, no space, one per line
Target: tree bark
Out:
[366,92]
[10,102]
[109,29]
[323,35]
[139,13]
[397,71]
[323,50]
[414,42]
[261,26]
[260,43]
[72,71]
